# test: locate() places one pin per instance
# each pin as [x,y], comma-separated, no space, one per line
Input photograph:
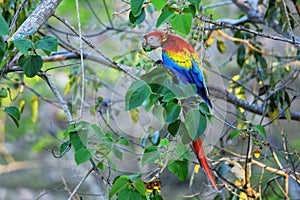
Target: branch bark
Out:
[255,15]
[254,108]
[38,17]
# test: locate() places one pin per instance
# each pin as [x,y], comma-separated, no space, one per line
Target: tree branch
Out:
[254,108]
[242,28]
[38,17]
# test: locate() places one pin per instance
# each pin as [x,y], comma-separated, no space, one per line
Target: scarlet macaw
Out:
[182,60]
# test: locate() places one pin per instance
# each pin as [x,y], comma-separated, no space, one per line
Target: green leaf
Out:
[234,134]
[136,94]
[180,168]
[172,110]
[165,16]
[159,4]
[31,64]
[83,155]
[136,7]
[191,9]
[47,43]
[164,142]
[157,197]
[195,3]
[4,29]
[129,194]
[221,46]
[101,166]
[182,23]
[118,184]
[118,153]
[14,114]
[150,155]
[203,107]
[140,187]
[241,55]
[135,176]
[124,142]
[182,151]
[76,141]
[79,134]
[195,123]
[261,130]
[64,148]
[3,47]
[174,127]
[23,45]
[98,132]
[135,20]
[158,113]
[3,93]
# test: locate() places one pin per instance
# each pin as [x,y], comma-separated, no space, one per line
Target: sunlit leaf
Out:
[34,108]
[159,4]
[21,105]
[221,46]
[182,23]
[135,115]
[164,142]
[196,168]
[3,93]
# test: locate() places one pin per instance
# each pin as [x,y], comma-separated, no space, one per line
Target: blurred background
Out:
[30,163]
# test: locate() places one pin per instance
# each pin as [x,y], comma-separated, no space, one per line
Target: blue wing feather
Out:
[188,76]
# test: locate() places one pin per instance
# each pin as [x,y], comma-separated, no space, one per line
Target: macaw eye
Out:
[151,38]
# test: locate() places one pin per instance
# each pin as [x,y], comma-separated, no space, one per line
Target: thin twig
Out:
[81,60]
[80,183]
[241,28]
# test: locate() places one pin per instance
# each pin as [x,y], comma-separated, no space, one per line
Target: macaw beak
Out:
[146,46]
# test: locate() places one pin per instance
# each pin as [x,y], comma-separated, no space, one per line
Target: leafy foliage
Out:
[260,81]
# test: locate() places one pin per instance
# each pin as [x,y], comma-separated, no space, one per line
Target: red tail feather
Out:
[202,159]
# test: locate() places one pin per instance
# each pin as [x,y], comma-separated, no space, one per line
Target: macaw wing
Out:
[186,68]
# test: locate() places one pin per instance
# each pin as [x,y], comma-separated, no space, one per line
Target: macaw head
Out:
[153,40]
